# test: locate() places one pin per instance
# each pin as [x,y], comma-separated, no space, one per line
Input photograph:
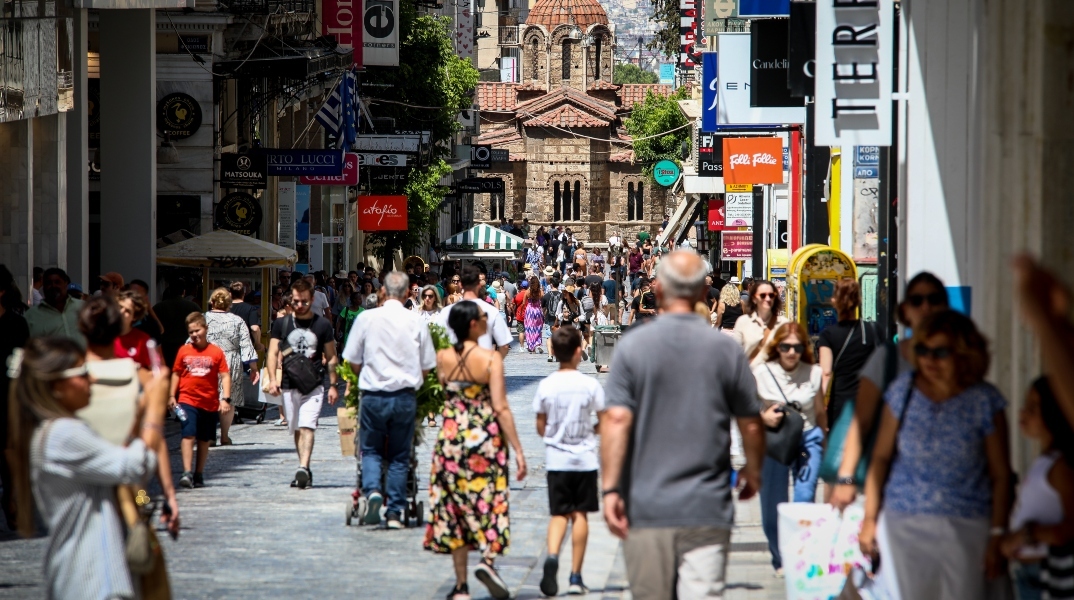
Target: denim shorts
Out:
[200,423]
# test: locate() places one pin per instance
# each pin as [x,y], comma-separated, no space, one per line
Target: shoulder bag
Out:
[783,443]
[304,376]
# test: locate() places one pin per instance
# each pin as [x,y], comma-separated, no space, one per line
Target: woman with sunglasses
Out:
[454,290]
[754,329]
[925,295]
[789,380]
[72,472]
[940,470]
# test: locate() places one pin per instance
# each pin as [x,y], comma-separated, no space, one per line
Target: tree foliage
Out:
[425,92]
[651,124]
[631,73]
[668,21]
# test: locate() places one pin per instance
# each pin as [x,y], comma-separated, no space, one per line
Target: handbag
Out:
[783,443]
[837,435]
[302,373]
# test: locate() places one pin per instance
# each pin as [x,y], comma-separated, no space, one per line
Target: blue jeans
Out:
[774,486]
[1026,581]
[386,434]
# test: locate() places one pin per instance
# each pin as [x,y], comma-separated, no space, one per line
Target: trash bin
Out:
[604,339]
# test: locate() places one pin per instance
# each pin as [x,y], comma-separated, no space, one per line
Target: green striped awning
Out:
[484,237]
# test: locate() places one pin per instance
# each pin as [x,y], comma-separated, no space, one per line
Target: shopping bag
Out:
[263,395]
[819,547]
[347,423]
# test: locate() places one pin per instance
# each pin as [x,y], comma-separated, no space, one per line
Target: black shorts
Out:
[200,423]
[572,491]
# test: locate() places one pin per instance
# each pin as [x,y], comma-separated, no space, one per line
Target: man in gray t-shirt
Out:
[675,385]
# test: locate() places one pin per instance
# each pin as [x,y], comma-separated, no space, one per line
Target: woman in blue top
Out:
[940,471]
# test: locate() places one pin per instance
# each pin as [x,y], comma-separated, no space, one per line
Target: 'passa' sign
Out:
[303,162]
[382,213]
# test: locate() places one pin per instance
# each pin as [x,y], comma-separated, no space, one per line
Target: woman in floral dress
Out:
[232,335]
[534,321]
[468,485]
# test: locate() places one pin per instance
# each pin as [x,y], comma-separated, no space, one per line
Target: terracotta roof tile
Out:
[604,109]
[553,13]
[496,96]
[622,157]
[600,84]
[566,115]
[634,93]
[499,137]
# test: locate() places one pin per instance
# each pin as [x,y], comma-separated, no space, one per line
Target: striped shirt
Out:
[75,473]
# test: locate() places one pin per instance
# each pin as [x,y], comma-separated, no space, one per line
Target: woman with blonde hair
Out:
[729,308]
[72,472]
[230,333]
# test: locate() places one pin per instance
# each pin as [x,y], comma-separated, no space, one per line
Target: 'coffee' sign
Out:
[382,213]
[753,160]
[854,71]
[342,19]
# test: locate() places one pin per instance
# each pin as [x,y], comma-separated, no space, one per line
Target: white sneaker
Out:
[496,585]
[372,515]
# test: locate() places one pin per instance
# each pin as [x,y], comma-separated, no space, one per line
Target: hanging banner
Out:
[717,221]
[709,90]
[855,58]
[382,213]
[736,245]
[738,209]
[690,54]
[380,33]
[770,64]
[342,19]
[752,160]
[803,33]
[733,104]
[178,116]
[283,163]
[464,29]
[348,177]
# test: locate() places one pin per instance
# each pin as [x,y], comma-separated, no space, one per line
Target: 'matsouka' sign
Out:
[342,19]
[382,213]
[854,72]
[752,160]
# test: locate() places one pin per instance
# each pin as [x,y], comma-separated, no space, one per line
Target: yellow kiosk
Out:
[811,278]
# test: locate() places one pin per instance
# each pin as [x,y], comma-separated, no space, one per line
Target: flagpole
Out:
[314,119]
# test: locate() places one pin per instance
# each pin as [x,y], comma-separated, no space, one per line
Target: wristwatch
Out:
[228,400]
[846,480]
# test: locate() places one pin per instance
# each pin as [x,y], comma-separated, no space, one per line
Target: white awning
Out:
[226,249]
[484,237]
[478,255]
[703,185]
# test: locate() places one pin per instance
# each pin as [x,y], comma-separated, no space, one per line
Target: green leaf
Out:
[658,128]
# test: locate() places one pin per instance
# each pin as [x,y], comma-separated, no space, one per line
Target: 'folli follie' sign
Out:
[752,160]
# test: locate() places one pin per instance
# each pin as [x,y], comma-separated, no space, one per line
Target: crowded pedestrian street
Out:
[247,535]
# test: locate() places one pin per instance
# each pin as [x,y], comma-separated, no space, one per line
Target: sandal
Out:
[459,592]
[225,441]
[281,422]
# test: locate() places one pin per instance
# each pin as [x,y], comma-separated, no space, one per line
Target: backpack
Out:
[549,303]
[587,308]
[302,374]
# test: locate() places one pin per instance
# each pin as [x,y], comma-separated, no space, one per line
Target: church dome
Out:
[553,13]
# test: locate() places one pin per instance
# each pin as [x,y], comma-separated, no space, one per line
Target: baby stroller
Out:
[413,514]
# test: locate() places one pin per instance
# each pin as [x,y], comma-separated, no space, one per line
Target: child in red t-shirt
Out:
[200,372]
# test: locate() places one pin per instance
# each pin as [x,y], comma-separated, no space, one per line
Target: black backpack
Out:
[550,301]
[303,374]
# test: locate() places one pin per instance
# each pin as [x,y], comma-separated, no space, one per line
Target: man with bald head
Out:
[674,387]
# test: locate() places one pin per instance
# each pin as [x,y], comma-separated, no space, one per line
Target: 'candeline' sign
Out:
[342,19]
[855,58]
[303,162]
[382,213]
[770,65]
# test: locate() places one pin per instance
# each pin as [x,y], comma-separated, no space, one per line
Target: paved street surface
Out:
[248,535]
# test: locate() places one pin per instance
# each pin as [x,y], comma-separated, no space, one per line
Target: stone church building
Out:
[570,158]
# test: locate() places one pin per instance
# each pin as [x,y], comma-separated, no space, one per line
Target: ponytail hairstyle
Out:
[462,314]
[1054,420]
[32,401]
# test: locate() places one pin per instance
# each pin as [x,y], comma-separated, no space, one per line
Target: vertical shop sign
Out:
[380,33]
[342,19]
[464,29]
[690,55]
[709,91]
[286,198]
[854,72]
[736,245]
[770,64]
[803,44]
[717,220]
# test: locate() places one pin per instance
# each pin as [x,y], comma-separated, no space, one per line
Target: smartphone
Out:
[167,512]
[155,360]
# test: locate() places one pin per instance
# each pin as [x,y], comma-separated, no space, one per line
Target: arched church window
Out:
[497,206]
[630,201]
[576,214]
[534,58]
[566,70]
[557,212]
[596,70]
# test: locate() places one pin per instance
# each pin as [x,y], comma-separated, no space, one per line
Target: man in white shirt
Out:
[499,336]
[321,306]
[391,350]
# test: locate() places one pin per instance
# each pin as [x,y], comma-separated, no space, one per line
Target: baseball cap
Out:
[114,278]
[524,285]
[341,274]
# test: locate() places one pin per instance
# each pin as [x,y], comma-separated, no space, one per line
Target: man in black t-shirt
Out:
[594,277]
[247,312]
[643,307]
[309,334]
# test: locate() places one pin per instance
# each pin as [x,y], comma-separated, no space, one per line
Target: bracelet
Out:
[846,480]
[159,428]
[607,492]
[997,531]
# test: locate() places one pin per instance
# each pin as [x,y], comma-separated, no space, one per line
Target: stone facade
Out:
[571,162]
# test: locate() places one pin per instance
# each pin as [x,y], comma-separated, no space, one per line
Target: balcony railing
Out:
[508,36]
[265,7]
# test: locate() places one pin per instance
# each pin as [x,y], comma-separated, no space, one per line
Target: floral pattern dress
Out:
[534,323]
[468,485]
[231,334]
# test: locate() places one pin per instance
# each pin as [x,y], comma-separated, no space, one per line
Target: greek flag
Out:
[339,113]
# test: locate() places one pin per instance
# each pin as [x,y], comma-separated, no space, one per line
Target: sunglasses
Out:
[80,371]
[938,353]
[429,296]
[456,280]
[301,302]
[766,296]
[797,348]
[934,299]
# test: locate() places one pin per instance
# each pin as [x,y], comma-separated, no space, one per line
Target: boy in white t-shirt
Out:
[565,404]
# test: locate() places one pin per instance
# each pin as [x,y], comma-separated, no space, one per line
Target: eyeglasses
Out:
[934,299]
[456,280]
[301,302]
[797,348]
[429,296]
[766,296]
[938,353]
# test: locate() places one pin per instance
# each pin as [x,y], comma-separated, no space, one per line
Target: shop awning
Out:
[484,255]
[223,249]
[484,237]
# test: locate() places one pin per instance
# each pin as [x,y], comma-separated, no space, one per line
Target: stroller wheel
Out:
[350,513]
[361,510]
[260,418]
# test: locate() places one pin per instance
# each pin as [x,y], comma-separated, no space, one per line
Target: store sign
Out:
[380,33]
[243,171]
[736,245]
[855,56]
[733,102]
[349,176]
[382,213]
[500,155]
[296,163]
[387,175]
[666,173]
[689,52]
[717,221]
[481,185]
[239,212]
[710,92]
[369,159]
[342,19]
[178,116]
[195,44]
[763,8]
[481,156]
[709,155]
[770,64]
[738,209]
[285,195]
[667,74]
[803,33]
[753,160]
[410,144]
